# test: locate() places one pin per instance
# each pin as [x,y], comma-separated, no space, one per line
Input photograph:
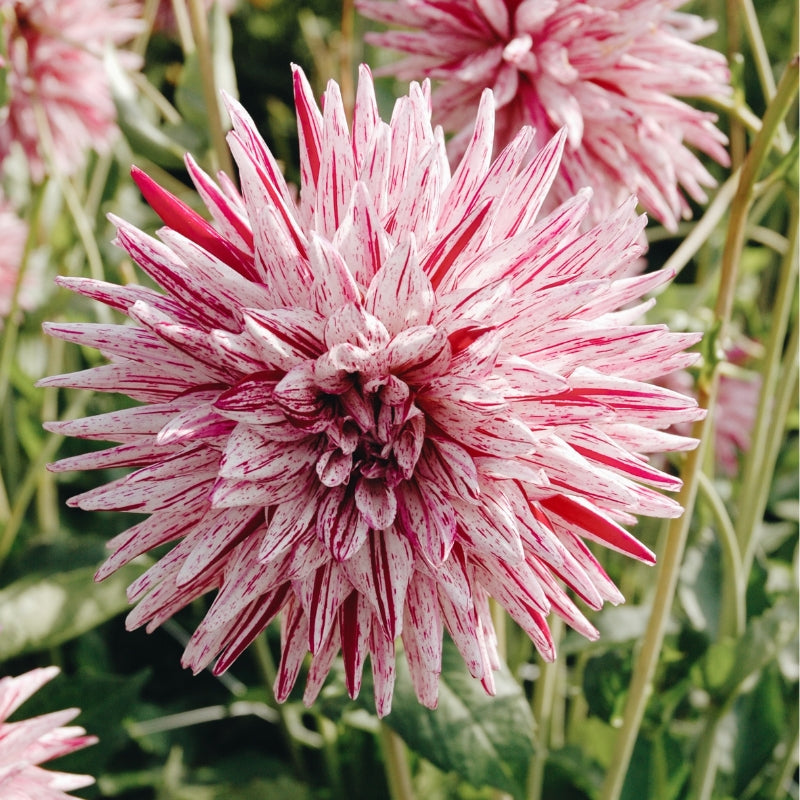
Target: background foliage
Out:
[725,696]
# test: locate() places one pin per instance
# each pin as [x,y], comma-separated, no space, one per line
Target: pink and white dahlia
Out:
[13,233]
[374,408]
[26,744]
[55,73]
[609,71]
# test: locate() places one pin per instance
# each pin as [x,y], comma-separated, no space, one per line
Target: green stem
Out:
[269,672]
[737,139]
[184,26]
[785,400]
[47,509]
[706,759]
[761,56]
[734,577]
[734,243]
[543,702]
[83,225]
[398,774]
[756,476]
[26,489]
[705,764]
[12,321]
[148,16]
[644,669]
[346,58]
[714,213]
[197,14]
[678,529]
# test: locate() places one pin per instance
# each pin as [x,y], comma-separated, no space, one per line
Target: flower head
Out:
[381,405]
[609,71]
[56,81]
[26,744]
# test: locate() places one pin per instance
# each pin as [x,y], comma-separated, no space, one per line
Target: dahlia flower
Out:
[13,232]
[26,744]
[380,405]
[54,70]
[609,71]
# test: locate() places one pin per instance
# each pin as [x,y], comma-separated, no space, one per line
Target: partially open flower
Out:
[375,408]
[609,71]
[26,744]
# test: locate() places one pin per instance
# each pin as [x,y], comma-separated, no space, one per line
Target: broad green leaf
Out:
[700,587]
[728,664]
[486,740]
[658,769]
[760,718]
[41,611]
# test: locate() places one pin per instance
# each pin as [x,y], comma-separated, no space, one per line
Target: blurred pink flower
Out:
[736,407]
[379,406]
[608,70]
[13,232]
[26,744]
[54,51]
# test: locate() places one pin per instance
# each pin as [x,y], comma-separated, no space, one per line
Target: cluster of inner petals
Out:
[357,397]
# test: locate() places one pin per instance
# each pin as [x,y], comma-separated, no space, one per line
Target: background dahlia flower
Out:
[54,69]
[379,406]
[737,405]
[609,71]
[26,744]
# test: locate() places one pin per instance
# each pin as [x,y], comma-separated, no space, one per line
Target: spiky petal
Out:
[26,744]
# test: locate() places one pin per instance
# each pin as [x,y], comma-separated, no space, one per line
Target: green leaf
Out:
[730,663]
[41,611]
[143,135]
[760,719]
[486,740]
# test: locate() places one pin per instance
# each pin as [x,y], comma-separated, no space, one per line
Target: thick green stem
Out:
[705,765]
[346,47]
[197,14]
[266,665]
[756,475]
[544,695]
[644,670]
[398,774]
[761,55]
